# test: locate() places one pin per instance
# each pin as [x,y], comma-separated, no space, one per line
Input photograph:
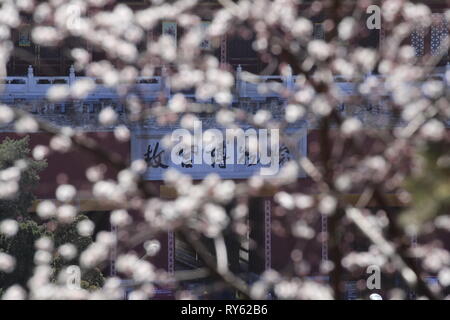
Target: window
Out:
[205,44]
[318,32]
[170,28]
[430,40]
[24,39]
[418,40]
[439,34]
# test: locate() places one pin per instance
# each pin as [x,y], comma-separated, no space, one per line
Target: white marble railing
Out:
[35,87]
[261,87]
[246,86]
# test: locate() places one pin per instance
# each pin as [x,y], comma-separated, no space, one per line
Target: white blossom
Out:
[294,112]
[58,93]
[433,89]
[433,130]
[225,117]
[106,238]
[347,28]
[105,190]
[126,262]
[436,259]
[44,244]
[26,124]
[376,163]
[107,116]
[288,173]
[65,193]
[82,88]
[223,97]
[302,28]
[42,12]
[122,133]
[139,166]
[417,12]
[216,219]
[82,57]
[178,103]
[9,227]
[152,247]
[366,58]
[319,50]
[11,173]
[224,191]
[303,201]
[6,114]
[7,262]
[120,218]
[46,209]
[285,200]
[343,182]
[444,277]
[4,32]
[287,289]
[8,189]
[94,255]
[351,126]
[327,204]
[45,35]
[40,152]
[189,121]
[443,222]
[262,117]
[9,15]
[61,143]
[85,227]
[314,291]
[301,230]
[95,173]
[42,257]
[15,292]
[321,106]
[66,213]
[68,251]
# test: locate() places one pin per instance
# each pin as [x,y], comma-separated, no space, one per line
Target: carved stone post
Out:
[30,80]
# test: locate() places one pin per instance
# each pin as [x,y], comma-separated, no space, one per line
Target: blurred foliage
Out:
[10,152]
[429,185]
[21,246]
[90,279]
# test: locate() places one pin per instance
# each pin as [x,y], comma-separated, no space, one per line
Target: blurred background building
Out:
[33,69]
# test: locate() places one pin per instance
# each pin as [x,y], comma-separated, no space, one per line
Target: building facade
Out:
[33,69]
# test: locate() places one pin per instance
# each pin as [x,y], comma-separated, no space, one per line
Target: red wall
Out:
[70,167]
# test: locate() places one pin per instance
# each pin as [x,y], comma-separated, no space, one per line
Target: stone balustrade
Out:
[246,86]
[251,93]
